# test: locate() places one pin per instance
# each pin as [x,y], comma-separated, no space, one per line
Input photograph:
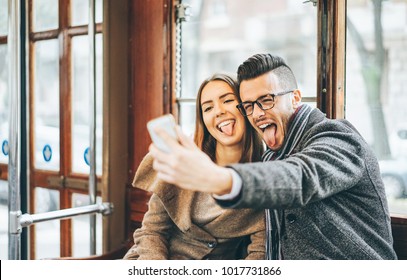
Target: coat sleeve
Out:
[329,160]
[151,240]
[257,249]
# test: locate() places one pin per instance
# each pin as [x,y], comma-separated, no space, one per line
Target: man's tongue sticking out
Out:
[269,136]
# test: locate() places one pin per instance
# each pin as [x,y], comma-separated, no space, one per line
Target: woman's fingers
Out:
[184,165]
[185,140]
[171,142]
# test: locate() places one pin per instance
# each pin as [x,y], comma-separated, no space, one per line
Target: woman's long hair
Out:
[252,143]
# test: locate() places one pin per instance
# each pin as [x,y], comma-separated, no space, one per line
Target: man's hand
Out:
[188,167]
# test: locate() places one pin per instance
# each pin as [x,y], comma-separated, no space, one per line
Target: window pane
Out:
[187,117]
[376,94]
[221,34]
[80,12]
[81,228]
[47,234]
[45,15]
[312,104]
[46,105]
[4,220]
[80,128]
[3,18]
[46,200]
[4,108]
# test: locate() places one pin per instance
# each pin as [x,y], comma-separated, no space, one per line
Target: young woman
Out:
[182,224]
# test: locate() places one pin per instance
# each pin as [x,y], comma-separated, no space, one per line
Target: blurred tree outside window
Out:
[221,34]
[376,91]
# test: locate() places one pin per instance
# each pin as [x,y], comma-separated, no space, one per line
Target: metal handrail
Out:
[105,208]
[17,220]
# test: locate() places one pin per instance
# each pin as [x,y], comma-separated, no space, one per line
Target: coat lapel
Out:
[179,202]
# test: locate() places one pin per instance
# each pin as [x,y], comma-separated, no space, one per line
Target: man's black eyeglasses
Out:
[264,102]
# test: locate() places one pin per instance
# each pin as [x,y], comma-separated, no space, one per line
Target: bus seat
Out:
[112,255]
[399,229]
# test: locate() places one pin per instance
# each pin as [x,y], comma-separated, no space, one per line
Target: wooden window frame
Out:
[64,34]
[331,57]
[3,167]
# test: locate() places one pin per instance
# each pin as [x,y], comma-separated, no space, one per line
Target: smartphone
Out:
[166,122]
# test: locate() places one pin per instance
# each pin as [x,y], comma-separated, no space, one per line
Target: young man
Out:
[320,181]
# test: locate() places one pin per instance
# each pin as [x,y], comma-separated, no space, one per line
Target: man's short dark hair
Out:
[260,64]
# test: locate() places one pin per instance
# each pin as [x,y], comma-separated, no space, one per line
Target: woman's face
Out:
[220,115]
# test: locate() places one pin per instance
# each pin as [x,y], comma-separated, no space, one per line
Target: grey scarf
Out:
[275,220]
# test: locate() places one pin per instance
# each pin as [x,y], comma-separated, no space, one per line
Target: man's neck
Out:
[290,121]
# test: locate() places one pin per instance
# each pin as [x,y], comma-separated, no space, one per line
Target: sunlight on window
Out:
[221,34]
[375,88]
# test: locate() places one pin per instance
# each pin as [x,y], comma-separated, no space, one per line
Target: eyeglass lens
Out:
[265,102]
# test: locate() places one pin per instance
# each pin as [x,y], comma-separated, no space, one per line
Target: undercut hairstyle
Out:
[252,143]
[260,64]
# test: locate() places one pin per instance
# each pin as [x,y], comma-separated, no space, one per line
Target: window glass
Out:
[47,234]
[4,220]
[187,117]
[4,108]
[81,228]
[80,12]
[376,94]
[3,17]
[45,15]
[80,128]
[46,105]
[221,34]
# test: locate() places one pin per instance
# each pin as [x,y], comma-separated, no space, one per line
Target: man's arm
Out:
[328,163]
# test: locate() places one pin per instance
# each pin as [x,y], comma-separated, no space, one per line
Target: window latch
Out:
[314,2]
[183,12]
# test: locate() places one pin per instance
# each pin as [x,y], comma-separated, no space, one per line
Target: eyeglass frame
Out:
[273,95]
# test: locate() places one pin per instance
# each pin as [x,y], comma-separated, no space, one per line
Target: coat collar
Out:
[179,204]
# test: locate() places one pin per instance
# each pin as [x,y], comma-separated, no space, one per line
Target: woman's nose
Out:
[219,110]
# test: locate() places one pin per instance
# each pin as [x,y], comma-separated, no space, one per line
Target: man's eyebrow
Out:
[249,101]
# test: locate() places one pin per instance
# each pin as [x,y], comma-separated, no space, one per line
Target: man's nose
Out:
[257,111]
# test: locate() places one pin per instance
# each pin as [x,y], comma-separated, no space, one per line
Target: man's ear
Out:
[296,101]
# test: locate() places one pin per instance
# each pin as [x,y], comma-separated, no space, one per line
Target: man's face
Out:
[272,124]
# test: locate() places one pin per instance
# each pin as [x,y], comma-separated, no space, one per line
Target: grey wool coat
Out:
[331,192]
[168,231]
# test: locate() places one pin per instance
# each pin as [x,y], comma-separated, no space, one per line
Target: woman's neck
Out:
[228,154]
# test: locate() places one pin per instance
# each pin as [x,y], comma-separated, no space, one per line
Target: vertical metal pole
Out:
[92,122]
[23,124]
[14,79]
[182,14]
